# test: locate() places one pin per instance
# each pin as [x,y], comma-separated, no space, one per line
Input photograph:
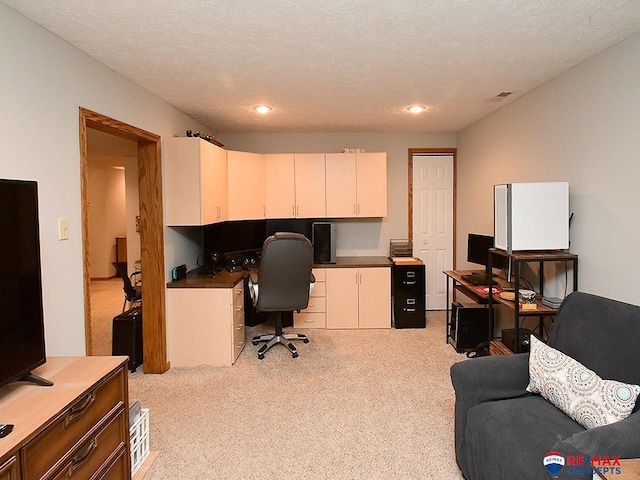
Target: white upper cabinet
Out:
[310,185]
[356,185]
[195,175]
[295,185]
[371,184]
[246,181]
[280,192]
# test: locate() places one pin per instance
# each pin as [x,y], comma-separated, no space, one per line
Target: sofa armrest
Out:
[484,379]
[620,438]
[490,378]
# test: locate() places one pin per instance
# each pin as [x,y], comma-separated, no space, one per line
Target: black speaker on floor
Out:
[470,326]
[127,336]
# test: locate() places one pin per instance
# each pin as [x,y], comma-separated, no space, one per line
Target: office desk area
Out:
[206,314]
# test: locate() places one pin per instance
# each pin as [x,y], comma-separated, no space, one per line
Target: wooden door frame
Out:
[154,331]
[433,151]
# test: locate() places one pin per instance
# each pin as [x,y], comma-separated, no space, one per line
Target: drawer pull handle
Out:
[409,309]
[410,283]
[79,408]
[82,456]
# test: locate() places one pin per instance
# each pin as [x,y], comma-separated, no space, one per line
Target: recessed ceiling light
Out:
[262,109]
[416,108]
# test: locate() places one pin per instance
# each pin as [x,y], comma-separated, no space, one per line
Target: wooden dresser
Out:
[76,429]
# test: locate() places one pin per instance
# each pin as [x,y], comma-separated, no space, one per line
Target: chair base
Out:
[283,339]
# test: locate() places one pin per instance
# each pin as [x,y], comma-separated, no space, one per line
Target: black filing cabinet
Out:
[127,336]
[408,291]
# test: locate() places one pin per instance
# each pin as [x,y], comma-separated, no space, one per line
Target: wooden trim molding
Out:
[433,151]
[151,234]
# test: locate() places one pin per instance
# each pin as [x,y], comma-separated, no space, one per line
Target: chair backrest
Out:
[600,333]
[129,290]
[285,272]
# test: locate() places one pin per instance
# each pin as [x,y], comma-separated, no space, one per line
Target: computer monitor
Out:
[478,252]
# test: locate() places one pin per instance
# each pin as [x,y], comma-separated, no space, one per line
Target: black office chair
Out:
[131,286]
[283,284]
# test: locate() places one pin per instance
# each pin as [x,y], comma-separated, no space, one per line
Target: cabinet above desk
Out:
[205,184]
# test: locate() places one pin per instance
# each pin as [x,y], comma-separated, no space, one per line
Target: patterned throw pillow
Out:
[576,390]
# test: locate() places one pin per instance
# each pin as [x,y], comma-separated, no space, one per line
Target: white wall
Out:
[106,217]
[355,237]
[44,82]
[581,127]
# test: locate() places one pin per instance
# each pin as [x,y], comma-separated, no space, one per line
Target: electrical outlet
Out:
[63,229]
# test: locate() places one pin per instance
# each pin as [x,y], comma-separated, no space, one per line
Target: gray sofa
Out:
[504,432]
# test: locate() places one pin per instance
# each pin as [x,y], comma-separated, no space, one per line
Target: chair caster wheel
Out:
[294,354]
[305,340]
[254,342]
[260,356]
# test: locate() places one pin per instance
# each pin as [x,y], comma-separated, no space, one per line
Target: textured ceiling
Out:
[336,65]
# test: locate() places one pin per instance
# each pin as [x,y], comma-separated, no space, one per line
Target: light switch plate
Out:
[63,229]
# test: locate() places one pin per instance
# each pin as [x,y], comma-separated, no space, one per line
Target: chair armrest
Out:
[253,277]
[312,279]
[621,439]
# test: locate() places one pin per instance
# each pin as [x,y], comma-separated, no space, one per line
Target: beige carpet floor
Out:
[371,404]
[107,298]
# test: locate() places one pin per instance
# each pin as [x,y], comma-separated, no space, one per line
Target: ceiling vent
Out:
[501,96]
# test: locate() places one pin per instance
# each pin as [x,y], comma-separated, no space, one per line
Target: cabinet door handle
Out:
[358,212]
[79,408]
[354,208]
[293,210]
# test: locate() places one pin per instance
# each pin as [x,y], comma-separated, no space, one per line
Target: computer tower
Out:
[324,242]
[470,326]
[408,291]
[127,336]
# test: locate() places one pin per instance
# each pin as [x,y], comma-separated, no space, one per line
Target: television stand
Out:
[33,378]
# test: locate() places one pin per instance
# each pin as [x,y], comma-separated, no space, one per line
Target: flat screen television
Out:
[21,312]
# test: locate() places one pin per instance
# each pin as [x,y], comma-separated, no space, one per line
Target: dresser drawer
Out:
[117,470]
[42,453]
[309,320]
[90,456]
[9,469]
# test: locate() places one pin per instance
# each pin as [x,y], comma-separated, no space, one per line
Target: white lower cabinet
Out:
[206,325]
[358,297]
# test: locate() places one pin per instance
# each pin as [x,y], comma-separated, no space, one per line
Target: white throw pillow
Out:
[576,390]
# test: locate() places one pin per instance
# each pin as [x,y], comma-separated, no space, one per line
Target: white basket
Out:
[139,433]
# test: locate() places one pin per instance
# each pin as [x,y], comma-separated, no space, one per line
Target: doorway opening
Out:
[151,234]
[432,216]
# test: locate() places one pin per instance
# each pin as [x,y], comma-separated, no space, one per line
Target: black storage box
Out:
[127,336]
